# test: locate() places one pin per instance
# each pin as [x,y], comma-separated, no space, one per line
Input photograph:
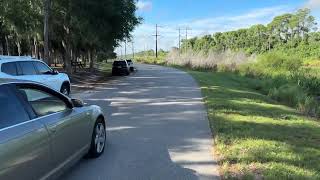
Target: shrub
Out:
[309,106]
[278,61]
[289,94]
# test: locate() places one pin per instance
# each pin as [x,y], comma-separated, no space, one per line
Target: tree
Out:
[292,33]
[78,28]
[47,6]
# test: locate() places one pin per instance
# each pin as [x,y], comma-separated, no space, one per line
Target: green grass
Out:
[256,137]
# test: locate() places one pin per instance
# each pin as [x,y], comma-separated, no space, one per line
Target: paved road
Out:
[157,129]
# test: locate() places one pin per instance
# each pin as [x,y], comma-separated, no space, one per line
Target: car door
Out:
[24,140]
[68,127]
[46,76]
[27,71]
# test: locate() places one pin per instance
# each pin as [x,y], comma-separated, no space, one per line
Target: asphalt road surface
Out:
[157,129]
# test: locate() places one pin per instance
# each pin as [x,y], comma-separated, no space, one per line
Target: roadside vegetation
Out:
[148,57]
[284,56]
[255,136]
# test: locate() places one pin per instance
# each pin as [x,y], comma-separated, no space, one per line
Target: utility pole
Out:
[132,44]
[121,52]
[179,40]
[187,38]
[157,35]
[125,49]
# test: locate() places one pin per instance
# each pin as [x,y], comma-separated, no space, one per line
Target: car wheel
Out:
[127,73]
[65,89]
[98,141]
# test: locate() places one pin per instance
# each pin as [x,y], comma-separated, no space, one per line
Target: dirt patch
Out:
[85,80]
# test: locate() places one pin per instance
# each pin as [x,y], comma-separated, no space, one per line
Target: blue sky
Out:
[206,17]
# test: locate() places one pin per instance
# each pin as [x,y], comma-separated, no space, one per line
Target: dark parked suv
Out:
[120,68]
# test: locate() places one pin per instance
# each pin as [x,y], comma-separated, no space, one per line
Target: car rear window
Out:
[119,63]
[9,68]
[27,68]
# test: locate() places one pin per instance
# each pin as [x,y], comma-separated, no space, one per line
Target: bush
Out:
[277,61]
[295,96]
[289,94]
[309,106]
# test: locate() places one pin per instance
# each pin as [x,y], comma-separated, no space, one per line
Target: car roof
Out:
[15,81]
[5,59]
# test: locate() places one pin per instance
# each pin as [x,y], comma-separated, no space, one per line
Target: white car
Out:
[27,68]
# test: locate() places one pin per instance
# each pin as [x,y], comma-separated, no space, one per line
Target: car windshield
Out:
[129,61]
[119,63]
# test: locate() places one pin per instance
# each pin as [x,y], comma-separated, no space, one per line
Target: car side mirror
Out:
[77,103]
[55,72]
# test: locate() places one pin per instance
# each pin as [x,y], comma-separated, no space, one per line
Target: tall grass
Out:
[212,60]
[280,76]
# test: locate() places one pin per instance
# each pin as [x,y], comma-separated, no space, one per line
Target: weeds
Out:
[281,77]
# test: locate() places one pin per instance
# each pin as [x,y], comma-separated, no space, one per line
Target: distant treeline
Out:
[289,33]
[151,52]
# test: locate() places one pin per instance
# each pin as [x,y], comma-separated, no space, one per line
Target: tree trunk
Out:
[8,46]
[19,47]
[91,61]
[36,50]
[30,46]
[67,57]
[2,48]
[67,60]
[47,4]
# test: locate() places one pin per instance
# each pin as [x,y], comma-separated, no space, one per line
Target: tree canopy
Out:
[78,28]
[294,33]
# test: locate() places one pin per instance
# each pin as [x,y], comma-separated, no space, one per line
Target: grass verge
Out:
[256,137]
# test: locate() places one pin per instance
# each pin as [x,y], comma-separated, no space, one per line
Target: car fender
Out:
[96,112]
[62,78]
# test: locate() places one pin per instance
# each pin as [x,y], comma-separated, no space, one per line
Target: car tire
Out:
[127,73]
[98,139]
[65,89]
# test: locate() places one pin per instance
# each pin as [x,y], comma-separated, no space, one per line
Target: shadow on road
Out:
[157,129]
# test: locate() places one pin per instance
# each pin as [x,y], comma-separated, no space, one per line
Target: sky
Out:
[202,17]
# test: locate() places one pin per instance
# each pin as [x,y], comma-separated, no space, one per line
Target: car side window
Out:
[12,110]
[42,68]
[27,68]
[9,68]
[43,103]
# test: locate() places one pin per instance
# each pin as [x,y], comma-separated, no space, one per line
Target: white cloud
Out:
[169,34]
[144,5]
[313,4]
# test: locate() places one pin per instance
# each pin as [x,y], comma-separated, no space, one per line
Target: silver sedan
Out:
[42,132]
